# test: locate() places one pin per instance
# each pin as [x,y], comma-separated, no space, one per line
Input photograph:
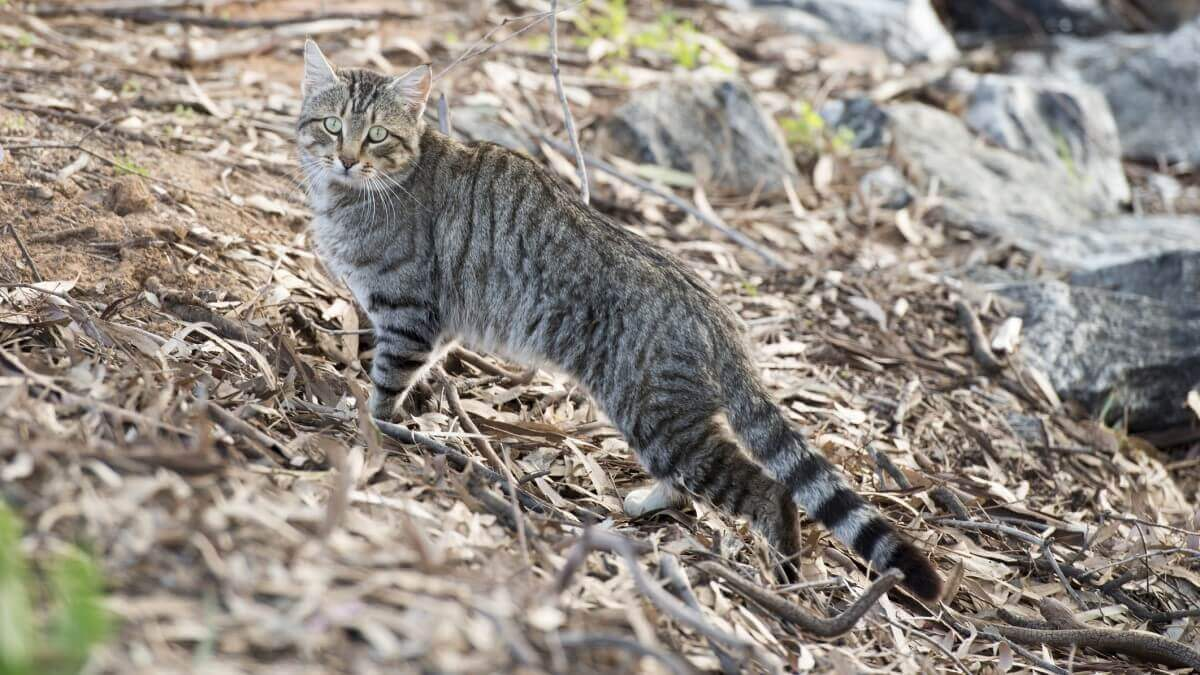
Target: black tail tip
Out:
[920,576]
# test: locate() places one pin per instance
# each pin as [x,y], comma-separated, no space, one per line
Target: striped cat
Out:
[443,241]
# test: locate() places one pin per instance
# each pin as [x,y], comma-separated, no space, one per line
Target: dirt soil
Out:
[178,389]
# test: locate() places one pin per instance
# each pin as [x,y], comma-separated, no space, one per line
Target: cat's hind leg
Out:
[694,451]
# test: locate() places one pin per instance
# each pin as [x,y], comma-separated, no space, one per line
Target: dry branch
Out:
[980,347]
[461,462]
[568,119]
[819,626]
[710,220]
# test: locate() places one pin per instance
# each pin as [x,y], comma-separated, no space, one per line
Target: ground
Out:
[178,389]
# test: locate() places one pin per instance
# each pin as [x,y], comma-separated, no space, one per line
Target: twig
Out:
[682,204]
[594,539]
[461,462]
[580,166]
[473,51]
[1062,578]
[945,498]
[1141,644]
[993,527]
[59,236]
[819,626]
[12,229]
[889,467]
[236,425]
[678,585]
[491,369]
[86,402]
[153,15]
[980,348]
[586,641]
[444,124]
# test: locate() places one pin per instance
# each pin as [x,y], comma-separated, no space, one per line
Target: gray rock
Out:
[714,130]
[1047,207]
[988,189]
[1152,84]
[1055,122]
[1119,239]
[1173,278]
[1067,17]
[885,187]
[1135,354]
[908,30]
[862,116]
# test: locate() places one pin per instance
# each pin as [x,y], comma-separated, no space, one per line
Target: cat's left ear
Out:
[413,87]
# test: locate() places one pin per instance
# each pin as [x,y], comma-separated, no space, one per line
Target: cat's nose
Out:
[347,162]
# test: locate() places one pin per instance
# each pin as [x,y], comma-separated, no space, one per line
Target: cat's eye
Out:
[333,125]
[377,134]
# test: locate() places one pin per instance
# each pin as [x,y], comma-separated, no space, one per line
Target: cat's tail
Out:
[818,486]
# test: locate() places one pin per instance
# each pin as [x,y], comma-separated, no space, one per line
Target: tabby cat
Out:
[440,241]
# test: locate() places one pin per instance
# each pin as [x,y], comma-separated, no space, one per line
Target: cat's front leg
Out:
[405,332]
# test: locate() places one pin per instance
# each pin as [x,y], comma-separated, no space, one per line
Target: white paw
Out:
[645,500]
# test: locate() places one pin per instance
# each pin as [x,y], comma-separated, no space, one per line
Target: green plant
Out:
[669,35]
[807,130]
[126,164]
[75,620]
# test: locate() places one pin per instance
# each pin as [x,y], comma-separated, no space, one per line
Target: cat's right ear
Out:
[318,74]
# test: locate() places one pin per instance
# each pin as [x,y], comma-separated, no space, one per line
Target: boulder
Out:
[1058,123]
[1133,354]
[1172,278]
[1152,84]
[1067,17]
[885,187]
[712,129]
[908,30]
[991,190]
[866,120]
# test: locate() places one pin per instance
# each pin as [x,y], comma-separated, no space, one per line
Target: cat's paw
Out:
[656,497]
[381,405]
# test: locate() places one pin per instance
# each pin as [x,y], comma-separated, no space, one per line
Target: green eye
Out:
[377,134]
[333,125]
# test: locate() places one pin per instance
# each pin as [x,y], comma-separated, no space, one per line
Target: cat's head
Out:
[356,126]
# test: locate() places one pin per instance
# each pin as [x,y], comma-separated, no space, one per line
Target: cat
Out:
[442,241]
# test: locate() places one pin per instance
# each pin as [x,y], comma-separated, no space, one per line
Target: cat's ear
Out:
[318,74]
[413,87]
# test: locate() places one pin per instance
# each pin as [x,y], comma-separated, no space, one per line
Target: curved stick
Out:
[817,625]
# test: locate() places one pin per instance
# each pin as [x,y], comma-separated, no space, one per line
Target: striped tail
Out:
[818,487]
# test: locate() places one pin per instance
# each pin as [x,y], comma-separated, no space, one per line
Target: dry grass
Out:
[179,398]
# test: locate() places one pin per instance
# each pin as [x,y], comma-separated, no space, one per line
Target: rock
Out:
[1064,212]
[1152,84]
[862,116]
[1057,123]
[885,187]
[908,30]
[1172,278]
[128,194]
[714,130]
[1138,355]
[991,190]
[1069,17]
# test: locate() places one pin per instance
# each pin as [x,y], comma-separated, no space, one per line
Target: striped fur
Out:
[442,241]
